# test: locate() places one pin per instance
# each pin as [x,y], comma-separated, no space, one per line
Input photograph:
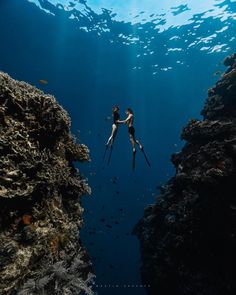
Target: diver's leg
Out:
[113,133]
[132,139]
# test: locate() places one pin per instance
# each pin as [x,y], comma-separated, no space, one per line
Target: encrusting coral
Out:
[40,190]
[188,237]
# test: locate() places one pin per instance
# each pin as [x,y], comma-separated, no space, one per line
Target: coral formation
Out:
[188,236]
[40,190]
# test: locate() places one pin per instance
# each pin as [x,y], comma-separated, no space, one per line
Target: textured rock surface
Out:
[188,238]
[40,190]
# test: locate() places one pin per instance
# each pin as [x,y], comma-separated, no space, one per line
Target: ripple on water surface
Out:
[153,28]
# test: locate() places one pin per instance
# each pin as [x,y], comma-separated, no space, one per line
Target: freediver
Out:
[130,121]
[115,125]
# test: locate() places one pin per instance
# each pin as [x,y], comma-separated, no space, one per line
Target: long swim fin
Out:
[133,163]
[145,156]
[105,152]
[109,159]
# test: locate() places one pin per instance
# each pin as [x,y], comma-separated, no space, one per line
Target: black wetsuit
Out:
[116,116]
[131,129]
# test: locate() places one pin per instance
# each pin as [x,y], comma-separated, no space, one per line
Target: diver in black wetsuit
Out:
[129,121]
[116,117]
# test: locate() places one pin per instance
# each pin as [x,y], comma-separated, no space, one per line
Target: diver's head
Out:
[115,109]
[129,111]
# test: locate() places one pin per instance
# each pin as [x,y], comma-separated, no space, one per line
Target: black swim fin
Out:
[109,159]
[104,156]
[134,158]
[145,156]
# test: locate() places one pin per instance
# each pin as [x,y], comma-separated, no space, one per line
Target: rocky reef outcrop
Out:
[40,191]
[188,237]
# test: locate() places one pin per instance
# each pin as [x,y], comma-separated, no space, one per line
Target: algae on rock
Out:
[40,190]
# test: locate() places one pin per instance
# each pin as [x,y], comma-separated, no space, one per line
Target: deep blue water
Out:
[158,57]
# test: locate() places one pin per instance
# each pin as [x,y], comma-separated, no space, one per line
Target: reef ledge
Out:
[40,191]
[188,237]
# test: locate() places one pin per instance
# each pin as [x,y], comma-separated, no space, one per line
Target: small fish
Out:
[116,222]
[44,82]
[111,266]
[102,219]
[93,173]
[175,145]
[117,192]
[107,118]
[114,179]
[27,219]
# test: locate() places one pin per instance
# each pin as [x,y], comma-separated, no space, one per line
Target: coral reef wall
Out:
[188,237]
[40,190]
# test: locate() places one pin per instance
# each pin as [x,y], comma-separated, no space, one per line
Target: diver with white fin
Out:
[129,121]
[111,139]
